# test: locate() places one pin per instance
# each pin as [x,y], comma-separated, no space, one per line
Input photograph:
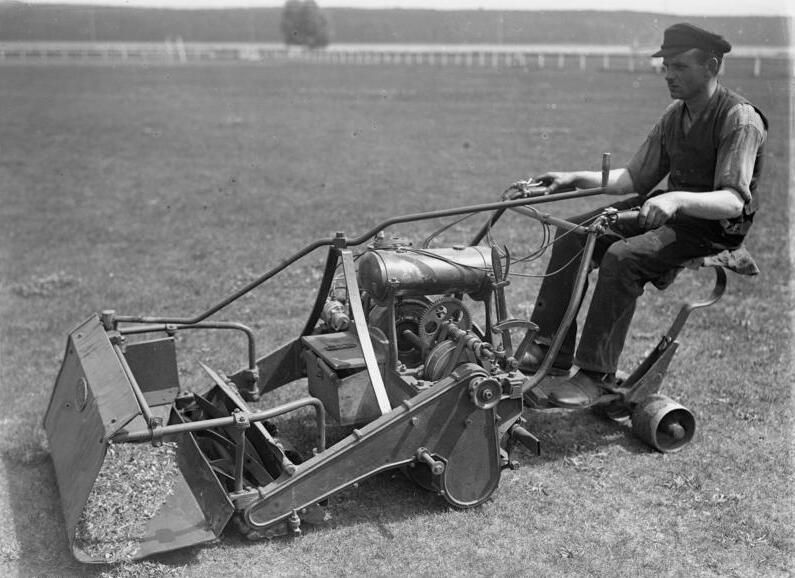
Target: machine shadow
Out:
[567,432]
[563,434]
[43,544]
[39,526]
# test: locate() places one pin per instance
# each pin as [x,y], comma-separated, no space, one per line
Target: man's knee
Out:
[624,266]
[620,257]
[634,264]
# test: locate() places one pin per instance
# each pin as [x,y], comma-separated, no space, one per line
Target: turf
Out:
[159,190]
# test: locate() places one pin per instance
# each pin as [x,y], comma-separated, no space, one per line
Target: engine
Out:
[418,305]
[421,308]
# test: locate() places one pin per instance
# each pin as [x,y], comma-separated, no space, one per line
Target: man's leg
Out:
[554,294]
[626,267]
[561,274]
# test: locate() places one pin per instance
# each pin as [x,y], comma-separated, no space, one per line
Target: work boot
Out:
[534,356]
[583,390]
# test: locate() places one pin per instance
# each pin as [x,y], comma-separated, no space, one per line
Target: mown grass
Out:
[160,190]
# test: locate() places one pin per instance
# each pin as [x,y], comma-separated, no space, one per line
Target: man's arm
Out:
[618,183]
[647,167]
[713,205]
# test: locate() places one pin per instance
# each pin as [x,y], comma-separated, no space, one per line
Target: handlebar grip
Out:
[543,191]
[628,217]
[531,193]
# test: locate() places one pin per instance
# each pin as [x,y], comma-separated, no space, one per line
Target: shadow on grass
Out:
[570,432]
[39,529]
[42,546]
[379,501]
[391,497]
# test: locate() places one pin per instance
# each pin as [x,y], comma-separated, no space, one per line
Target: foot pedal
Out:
[538,396]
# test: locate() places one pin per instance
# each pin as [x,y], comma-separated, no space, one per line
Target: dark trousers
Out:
[626,261]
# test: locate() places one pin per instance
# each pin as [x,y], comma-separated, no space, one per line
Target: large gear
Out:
[441,311]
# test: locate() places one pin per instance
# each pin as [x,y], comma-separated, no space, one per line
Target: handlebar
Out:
[623,217]
[531,189]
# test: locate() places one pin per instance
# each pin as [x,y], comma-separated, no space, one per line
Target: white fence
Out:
[604,57]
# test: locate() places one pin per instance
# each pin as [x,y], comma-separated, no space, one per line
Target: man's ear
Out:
[713,65]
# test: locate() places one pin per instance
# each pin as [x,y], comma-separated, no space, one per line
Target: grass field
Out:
[160,190]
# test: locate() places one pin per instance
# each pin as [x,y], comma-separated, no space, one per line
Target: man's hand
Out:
[554,180]
[656,211]
[513,192]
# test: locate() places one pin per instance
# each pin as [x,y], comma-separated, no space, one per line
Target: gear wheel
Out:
[441,311]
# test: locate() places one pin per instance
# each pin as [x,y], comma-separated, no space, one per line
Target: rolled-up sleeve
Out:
[742,135]
[650,163]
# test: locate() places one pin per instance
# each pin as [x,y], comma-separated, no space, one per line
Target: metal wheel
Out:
[663,424]
[438,363]
[438,314]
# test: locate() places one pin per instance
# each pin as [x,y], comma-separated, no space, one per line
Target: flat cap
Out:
[684,36]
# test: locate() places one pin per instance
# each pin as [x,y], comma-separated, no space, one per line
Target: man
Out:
[709,145]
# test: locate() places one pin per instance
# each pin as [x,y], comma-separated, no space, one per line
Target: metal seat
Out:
[738,260]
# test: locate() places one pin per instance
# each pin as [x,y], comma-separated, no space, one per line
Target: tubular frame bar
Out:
[336,242]
[169,327]
[150,435]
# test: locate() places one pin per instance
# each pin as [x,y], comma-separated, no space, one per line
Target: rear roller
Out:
[663,424]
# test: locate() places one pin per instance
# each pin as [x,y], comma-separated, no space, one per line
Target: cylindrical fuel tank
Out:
[405,271]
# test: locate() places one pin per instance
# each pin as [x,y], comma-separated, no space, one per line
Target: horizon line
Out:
[785,11]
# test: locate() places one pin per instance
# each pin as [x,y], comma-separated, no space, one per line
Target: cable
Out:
[564,266]
[427,253]
[427,241]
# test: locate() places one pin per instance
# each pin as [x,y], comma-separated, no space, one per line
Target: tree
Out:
[303,24]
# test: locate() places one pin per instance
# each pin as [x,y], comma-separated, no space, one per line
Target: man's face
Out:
[686,78]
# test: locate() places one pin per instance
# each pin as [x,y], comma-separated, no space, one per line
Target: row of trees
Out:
[303,24]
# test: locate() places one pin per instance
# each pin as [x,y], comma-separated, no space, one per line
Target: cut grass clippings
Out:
[134,482]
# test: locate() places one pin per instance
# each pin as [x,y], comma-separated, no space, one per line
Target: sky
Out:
[679,7]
